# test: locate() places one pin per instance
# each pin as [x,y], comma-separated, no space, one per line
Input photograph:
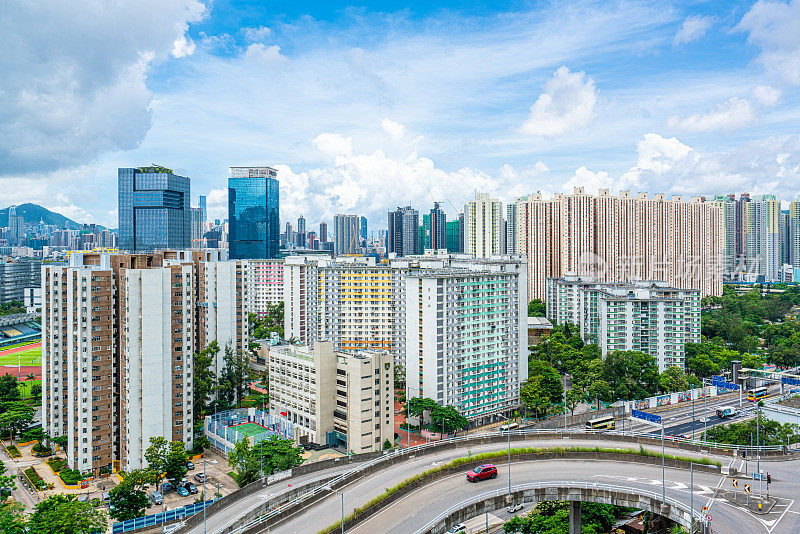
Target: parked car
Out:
[482,472]
[457,529]
[166,487]
[191,488]
[200,477]
[156,497]
[189,465]
[183,492]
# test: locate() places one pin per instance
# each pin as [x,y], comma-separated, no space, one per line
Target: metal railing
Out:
[411,451]
[699,518]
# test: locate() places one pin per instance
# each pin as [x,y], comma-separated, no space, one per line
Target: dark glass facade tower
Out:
[154,209]
[253,214]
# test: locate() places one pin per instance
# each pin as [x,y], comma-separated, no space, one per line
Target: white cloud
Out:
[333,144]
[74,212]
[73,83]
[590,181]
[264,54]
[257,33]
[693,28]
[773,27]
[393,129]
[568,103]
[733,114]
[183,47]
[766,95]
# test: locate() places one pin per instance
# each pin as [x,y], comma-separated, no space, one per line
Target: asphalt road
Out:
[413,511]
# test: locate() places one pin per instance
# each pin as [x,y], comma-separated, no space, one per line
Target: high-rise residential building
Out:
[466,337]
[301,232]
[253,213]
[483,233]
[359,304]
[623,238]
[794,233]
[346,234]
[437,228]
[511,226]
[786,239]
[403,236]
[16,227]
[763,238]
[266,284]
[118,335]
[649,317]
[197,228]
[323,232]
[461,232]
[203,209]
[453,232]
[334,398]
[154,210]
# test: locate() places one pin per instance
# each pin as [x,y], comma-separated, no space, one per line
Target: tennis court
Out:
[250,429]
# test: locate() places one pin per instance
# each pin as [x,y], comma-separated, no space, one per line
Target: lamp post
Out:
[509,458]
[565,402]
[663,470]
[342,512]
[205,497]
[758,446]
[691,493]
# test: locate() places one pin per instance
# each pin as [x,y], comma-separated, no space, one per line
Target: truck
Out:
[723,412]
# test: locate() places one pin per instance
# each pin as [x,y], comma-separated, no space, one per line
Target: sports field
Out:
[31,356]
[249,429]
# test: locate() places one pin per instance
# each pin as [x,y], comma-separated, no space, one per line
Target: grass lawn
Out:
[26,357]
[15,345]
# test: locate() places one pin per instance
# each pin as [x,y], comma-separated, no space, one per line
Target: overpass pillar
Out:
[574,517]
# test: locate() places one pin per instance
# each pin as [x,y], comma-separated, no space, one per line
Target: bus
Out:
[755,394]
[601,423]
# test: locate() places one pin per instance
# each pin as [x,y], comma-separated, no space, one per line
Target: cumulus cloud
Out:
[766,95]
[773,27]
[262,53]
[394,130]
[731,115]
[568,103]
[67,94]
[590,181]
[333,144]
[183,47]
[257,33]
[693,28]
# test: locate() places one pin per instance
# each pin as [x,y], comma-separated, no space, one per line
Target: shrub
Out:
[70,477]
[41,449]
[35,479]
[56,464]
[13,451]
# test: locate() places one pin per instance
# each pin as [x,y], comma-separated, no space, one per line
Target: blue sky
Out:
[364,107]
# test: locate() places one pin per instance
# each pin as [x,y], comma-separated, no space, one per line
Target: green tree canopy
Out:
[167,458]
[62,514]
[537,308]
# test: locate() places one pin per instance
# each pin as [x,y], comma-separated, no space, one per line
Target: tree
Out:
[630,374]
[673,379]
[166,457]
[416,406]
[203,381]
[271,321]
[12,519]
[537,308]
[771,432]
[9,388]
[6,483]
[129,499]
[36,390]
[550,380]
[535,397]
[278,455]
[17,417]
[234,376]
[574,397]
[62,514]
[447,419]
[599,389]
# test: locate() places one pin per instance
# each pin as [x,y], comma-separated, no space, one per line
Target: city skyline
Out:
[707,99]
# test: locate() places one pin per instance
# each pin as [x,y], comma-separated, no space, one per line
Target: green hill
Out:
[33,213]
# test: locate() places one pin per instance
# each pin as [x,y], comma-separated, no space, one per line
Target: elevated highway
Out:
[415,510]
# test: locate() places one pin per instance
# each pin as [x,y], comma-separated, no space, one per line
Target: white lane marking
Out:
[781,516]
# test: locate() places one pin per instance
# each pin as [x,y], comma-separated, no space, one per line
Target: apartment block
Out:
[650,317]
[617,239]
[763,238]
[484,227]
[119,332]
[466,331]
[266,284]
[340,399]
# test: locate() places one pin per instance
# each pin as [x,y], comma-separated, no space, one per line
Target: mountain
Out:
[33,213]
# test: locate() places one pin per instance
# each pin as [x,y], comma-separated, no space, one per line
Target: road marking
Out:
[781,517]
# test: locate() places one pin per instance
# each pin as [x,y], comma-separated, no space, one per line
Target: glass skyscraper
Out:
[154,209]
[253,215]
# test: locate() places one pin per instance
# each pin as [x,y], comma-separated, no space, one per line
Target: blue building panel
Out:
[253,213]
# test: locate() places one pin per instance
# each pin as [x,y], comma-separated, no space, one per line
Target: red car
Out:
[482,472]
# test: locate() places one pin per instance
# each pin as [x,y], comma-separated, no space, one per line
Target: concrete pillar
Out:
[574,517]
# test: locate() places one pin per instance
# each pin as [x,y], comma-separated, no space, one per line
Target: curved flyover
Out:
[390,469]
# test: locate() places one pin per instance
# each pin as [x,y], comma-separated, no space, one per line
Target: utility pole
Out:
[342,512]
[509,459]
[663,470]
[758,446]
[691,493]
[693,416]
[705,413]
[205,497]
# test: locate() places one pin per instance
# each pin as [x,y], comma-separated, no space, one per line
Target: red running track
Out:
[20,349]
[24,371]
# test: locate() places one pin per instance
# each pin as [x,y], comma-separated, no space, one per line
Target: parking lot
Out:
[218,481]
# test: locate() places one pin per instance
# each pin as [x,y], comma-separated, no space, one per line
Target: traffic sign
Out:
[705,509]
[735,483]
[650,417]
[790,381]
[708,517]
[727,385]
[747,488]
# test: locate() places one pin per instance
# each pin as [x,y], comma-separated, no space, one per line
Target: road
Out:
[421,506]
